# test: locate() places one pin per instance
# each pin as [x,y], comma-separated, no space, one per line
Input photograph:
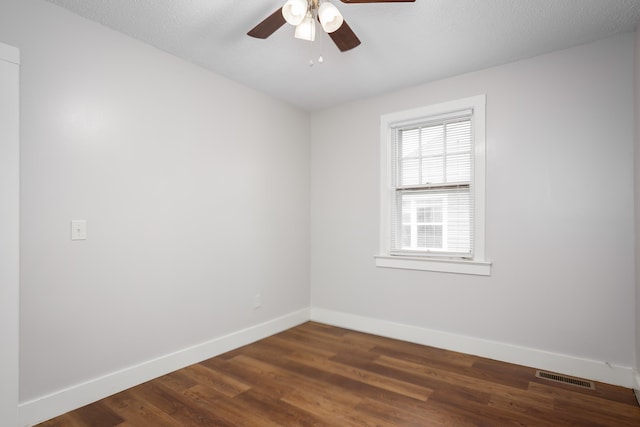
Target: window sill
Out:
[478,268]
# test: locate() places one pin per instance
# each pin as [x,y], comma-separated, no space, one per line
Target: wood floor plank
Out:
[427,416]
[217,380]
[98,415]
[451,377]
[249,373]
[578,396]
[177,406]
[138,412]
[364,376]
[602,391]
[178,380]
[349,385]
[316,339]
[420,353]
[431,356]
[309,395]
[234,412]
[320,375]
[279,410]
[325,400]
[67,420]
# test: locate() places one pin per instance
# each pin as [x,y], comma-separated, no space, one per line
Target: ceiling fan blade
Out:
[268,26]
[344,37]
[377,1]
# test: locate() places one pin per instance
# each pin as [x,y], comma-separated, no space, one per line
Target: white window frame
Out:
[478,265]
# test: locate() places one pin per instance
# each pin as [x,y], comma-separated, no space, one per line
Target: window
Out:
[432,188]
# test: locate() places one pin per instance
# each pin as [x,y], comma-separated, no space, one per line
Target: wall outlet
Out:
[257,301]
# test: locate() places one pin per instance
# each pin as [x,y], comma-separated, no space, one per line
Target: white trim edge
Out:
[60,402]
[636,386]
[387,121]
[9,54]
[480,268]
[535,358]
[10,231]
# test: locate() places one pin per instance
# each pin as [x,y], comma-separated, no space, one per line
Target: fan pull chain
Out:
[311,63]
[314,12]
[320,57]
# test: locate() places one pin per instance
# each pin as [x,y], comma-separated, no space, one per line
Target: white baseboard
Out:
[60,402]
[636,386]
[555,362]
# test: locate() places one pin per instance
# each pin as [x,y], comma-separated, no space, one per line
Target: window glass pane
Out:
[437,220]
[459,221]
[424,214]
[429,237]
[410,142]
[459,137]
[429,210]
[406,211]
[432,140]
[422,236]
[432,170]
[406,215]
[423,228]
[459,167]
[434,236]
[437,213]
[410,172]
[406,237]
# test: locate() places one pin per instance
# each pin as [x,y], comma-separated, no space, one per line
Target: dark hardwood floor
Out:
[318,375]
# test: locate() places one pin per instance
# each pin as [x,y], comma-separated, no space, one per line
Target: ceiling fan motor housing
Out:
[305,12]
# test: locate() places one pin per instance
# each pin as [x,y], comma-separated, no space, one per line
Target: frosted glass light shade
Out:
[330,17]
[306,30]
[294,11]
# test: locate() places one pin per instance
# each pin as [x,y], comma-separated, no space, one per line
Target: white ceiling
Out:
[403,44]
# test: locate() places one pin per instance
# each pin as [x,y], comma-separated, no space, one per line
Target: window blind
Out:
[432,186]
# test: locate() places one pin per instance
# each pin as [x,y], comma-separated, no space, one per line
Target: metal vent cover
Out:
[565,380]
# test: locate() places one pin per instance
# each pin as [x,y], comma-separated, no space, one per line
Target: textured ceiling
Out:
[403,44]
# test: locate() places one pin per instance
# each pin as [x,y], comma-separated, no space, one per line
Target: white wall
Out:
[559,212]
[9,226]
[195,190]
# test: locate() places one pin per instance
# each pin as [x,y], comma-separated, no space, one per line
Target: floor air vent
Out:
[566,380]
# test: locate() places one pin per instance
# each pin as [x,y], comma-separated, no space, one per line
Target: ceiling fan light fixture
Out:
[294,11]
[330,17]
[306,30]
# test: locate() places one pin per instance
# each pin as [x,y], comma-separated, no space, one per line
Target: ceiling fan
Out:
[303,14]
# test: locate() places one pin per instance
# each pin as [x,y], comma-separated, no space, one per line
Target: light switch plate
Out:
[78,229]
